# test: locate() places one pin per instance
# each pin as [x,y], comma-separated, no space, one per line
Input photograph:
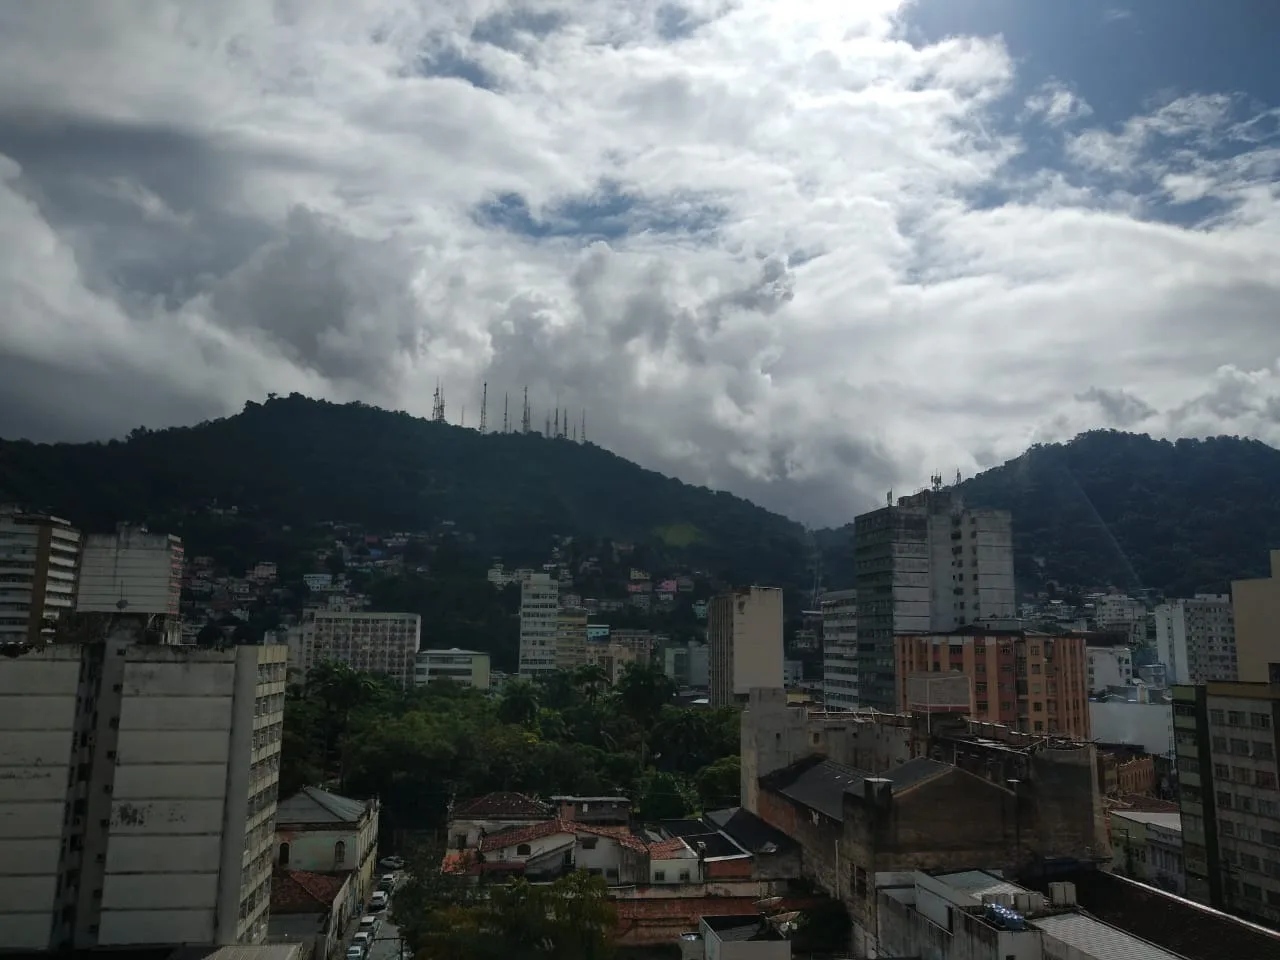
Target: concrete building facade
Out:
[1031,682]
[1107,666]
[1228,794]
[1147,846]
[39,558]
[539,624]
[1256,606]
[1196,639]
[571,638]
[381,643]
[137,807]
[744,634]
[130,571]
[467,667]
[840,649]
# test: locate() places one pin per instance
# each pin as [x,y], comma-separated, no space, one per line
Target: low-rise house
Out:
[674,861]
[547,850]
[615,810]
[323,833]
[471,819]
[308,908]
[739,938]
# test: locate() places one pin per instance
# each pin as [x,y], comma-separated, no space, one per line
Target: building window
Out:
[589,843]
[284,854]
[659,876]
[339,853]
[523,850]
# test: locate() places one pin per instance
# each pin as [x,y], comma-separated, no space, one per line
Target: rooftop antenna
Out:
[484,406]
[935,481]
[505,397]
[524,418]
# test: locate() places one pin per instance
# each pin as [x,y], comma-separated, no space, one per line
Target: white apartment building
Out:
[926,564]
[137,805]
[840,649]
[1108,666]
[38,559]
[539,624]
[130,571]
[467,667]
[1196,639]
[744,633]
[382,643]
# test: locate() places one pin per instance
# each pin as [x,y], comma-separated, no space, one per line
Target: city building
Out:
[1256,604]
[688,665]
[1196,639]
[1147,846]
[133,571]
[1116,612]
[1225,738]
[614,657]
[571,638]
[737,937]
[1031,682]
[39,555]
[467,667]
[1148,725]
[1107,666]
[925,564]
[539,624]
[382,643]
[840,649]
[744,633]
[792,673]
[321,833]
[137,806]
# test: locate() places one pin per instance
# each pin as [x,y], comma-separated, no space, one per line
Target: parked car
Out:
[370,925]
[387,882]
[379,901]
[363,939]
[391,863]
[355,952]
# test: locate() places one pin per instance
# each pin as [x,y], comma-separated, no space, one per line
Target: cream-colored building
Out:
[139,793]
[1196,638]
[130,571]
[744,633]
[614,657]
[38,559]
[539,624]
[1257,626]
[467,667]
[381,643]
[571,638]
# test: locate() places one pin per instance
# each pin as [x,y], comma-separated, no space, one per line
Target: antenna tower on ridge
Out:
[547,431]
[524,417]
[557,426]
[484,406]
[584,425]
[437,406]
[505,397]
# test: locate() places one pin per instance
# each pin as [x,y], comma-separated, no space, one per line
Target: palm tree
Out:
[519,703]
[340,689]
[591,679]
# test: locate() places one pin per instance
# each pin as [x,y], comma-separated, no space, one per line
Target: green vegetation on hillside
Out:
[293,461]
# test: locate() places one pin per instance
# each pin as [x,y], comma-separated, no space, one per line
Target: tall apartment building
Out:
[130,571]
[744,634]
[1226,744]
[138,794]
[1031,682]
[539,624]
[39,555]
[840,649]
[925,564]
[1196,639]
[1257,612]
[1107,665]
[382,643]
[571,638]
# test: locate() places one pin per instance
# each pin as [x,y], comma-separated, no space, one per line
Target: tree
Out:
[720,784]
[591,679]
[663,796]
[519,704]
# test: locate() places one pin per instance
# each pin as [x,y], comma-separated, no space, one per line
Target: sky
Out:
[806,252]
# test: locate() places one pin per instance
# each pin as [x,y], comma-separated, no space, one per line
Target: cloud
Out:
[756,243]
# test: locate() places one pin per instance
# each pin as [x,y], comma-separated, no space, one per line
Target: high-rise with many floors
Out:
[840,649]
[137,798]
[571,638]
[39,555]
[133,571]
[926,563]
[381,643]
[1032,682]
[539,624]
[744,635]
[1196,639]
[1256,606]
[1226,745]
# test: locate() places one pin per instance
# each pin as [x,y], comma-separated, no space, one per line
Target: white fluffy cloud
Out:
[774,248]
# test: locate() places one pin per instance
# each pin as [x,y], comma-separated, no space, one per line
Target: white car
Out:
[379,901]
[355,953]
[370,925]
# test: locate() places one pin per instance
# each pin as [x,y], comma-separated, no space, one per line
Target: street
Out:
[386,945]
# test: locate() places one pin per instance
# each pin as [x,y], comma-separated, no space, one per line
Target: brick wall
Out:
[818,841]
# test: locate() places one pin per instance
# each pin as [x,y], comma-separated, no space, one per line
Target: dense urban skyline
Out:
[805,254]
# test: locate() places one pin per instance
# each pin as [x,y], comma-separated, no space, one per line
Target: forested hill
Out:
[295,461]
[1109,507]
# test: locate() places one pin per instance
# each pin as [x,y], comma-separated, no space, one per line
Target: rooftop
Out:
[741,928]
[311,806]
[1093,938]
[1167,820]
[301,891]
[978,882]
[501,806]
[750,831]
[821,784]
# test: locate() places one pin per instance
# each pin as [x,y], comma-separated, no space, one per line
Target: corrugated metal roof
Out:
[1096,939]
[311,806]
[977,882]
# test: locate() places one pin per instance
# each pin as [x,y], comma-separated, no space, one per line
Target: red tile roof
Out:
[693,908]
[668,849]
[300,891]
[534,831]
[501,806]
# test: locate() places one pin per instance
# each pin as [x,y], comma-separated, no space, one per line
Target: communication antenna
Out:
[547,431]
[484,406]
[888,499]
[524,418]
[505,397]
[958,476]
[437,407]
[464,415]
[584,424]
[557,433]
